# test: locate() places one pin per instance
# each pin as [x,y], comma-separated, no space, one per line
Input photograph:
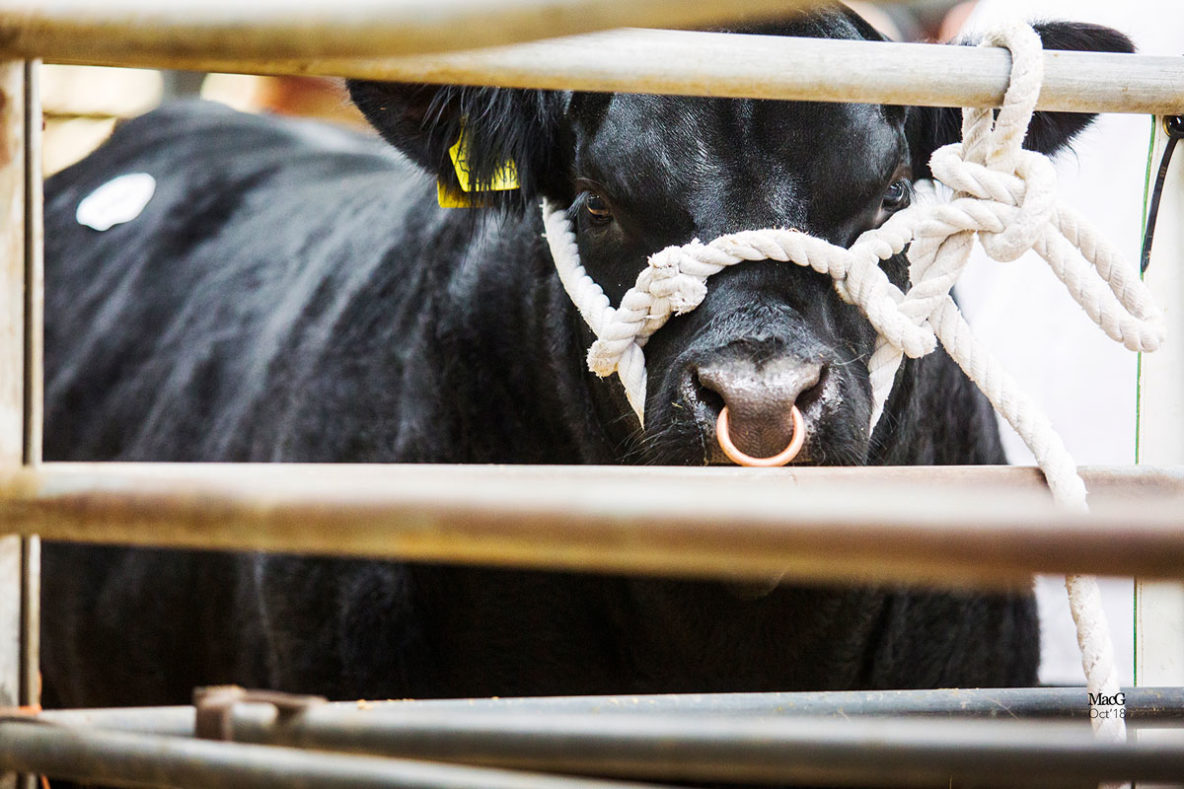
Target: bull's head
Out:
[640,173]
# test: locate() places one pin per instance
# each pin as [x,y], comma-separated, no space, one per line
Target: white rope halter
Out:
[1004,195]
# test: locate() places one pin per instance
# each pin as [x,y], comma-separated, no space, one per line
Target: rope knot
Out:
[1031,215]
[671,283]
[1012,208]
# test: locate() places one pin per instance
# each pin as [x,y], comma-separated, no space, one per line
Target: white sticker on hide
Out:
[119,200]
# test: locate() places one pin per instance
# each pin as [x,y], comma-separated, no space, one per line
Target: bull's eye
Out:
[597,208]
[897,197]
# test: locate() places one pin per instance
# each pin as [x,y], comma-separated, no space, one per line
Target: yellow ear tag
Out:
[504,179]
[448,196]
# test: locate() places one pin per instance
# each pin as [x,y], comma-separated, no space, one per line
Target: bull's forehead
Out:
[721,165]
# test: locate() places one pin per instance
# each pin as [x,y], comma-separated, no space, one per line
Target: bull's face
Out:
[650,172]
[640,173]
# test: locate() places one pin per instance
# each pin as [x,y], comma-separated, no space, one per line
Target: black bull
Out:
[293,293]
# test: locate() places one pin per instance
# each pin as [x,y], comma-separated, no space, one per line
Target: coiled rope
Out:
[1006,197]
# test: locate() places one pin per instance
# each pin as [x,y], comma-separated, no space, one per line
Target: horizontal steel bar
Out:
[1144,707]
[718,64]
[894,751]
[947,525]
[673,747]
[328,28]
[126,759]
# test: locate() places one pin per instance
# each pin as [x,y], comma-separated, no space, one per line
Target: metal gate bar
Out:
[789,525]
[20,372]
[323,28]
[1145,707]
[707,64]
[664,747]
[825,525]
[123,759]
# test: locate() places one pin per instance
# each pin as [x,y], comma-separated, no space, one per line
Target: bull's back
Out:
[191,330]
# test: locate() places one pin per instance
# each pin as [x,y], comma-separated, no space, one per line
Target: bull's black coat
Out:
[294,294]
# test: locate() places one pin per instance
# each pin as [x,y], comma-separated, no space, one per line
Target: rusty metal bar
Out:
[718,64]
[1145,707]
[949,526]
[892,751]
[122,759]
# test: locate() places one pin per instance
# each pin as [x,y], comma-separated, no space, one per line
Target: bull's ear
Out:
[929,128]
[500,125]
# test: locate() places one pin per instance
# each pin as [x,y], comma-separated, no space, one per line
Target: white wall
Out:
[1085,382]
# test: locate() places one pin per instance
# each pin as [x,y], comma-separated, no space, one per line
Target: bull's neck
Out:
[937,416]
[514,375]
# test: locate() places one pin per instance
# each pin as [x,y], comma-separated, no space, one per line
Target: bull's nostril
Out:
[705,394]
[813,393]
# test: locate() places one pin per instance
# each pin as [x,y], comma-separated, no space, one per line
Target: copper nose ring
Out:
[780,459]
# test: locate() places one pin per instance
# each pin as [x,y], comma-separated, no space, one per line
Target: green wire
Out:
[1139,397]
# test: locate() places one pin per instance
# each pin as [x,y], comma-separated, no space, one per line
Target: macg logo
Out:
[1097,701]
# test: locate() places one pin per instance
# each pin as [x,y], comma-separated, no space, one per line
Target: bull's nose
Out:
[759,398]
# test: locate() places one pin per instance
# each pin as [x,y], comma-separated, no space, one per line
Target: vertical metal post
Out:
[20,371]
[1159,606]
[34,375]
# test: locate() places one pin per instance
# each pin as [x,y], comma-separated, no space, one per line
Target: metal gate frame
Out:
[954,527]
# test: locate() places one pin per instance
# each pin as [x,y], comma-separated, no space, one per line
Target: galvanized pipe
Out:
[714,64]
[1145,707]
[949,526]
[126,759]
